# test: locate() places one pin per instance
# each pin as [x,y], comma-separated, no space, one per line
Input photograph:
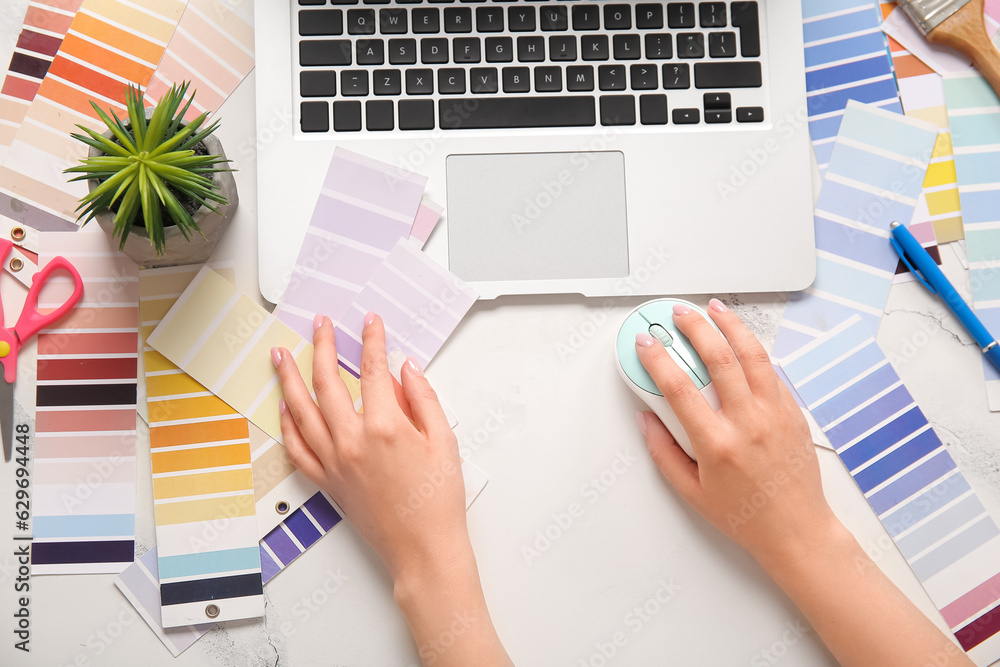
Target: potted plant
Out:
[156,182]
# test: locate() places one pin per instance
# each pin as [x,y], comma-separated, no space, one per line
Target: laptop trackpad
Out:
[537,216]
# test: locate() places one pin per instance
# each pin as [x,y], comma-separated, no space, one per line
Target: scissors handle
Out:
[31,321]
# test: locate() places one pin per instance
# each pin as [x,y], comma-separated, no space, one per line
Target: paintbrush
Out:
[958,24]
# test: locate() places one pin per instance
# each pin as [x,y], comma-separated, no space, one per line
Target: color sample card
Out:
[109,44]
[84,479]
[424,223]
[974,110]
[846,59]
[212,48]
[908,477]
[365,206]
[876,172]
[420,303]
[223,339]
[203,487]
[45,26]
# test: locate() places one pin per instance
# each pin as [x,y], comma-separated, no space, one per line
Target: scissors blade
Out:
[7,418]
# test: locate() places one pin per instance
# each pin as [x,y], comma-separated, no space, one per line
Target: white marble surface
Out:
[543,413]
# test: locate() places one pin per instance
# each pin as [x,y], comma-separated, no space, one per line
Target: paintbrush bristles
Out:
[929,14]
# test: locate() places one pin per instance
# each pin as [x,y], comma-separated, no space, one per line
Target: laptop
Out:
[600,148]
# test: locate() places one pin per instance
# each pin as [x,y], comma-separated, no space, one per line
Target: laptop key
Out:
[386,82]
[338,2]
[746,19]
[680,15]
[712,14]
[718,116]
[530,49]
[617,17]
[416,114]
[586,17]
[419,81]
[649,17]
[483,80]
[580,77]
[318,83]
[489,19]
[676,76]
[722,44]
[617,110]
[392,21]
[659,46]
[451,81]
[313,22]
[562,48]
[517,112]
[626,47]
[312,2]
[434,50]
[521,19]
[353,82]
[611,77]
[314,116]
[686,116]
[717,100]
[325,52]
[378,115]
[458,19]
[402,51]
[643,77]
[548,79]
[653,109]
[467,50]
[690,45]
[516,80]
[554,18]
[360,21]
[499,50]
[347,116]
[744,74]
[594,47]
[426,20]
[371,51]
[750,115]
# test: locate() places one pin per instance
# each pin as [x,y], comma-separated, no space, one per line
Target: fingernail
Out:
[283,407]
[414,366]
[317,322]
[276,356]
[641,419]
[643,339]
[681,309]
[369,318]
[717,306]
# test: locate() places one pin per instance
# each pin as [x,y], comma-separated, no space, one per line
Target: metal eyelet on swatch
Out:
[281,507]
[212,611]
[18,233]
[16,264]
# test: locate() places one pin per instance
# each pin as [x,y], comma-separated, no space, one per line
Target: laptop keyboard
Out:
[410,65]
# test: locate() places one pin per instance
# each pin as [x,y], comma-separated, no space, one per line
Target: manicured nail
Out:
[414,366]
[276,356]
[641,419]
[681,309]
[369,318]
[717,306]
[317,322]
[643,339]
[282,407]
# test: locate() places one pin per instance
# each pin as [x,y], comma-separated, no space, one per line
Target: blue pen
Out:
[927,272]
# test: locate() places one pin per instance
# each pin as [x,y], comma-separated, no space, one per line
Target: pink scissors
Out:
[28,324]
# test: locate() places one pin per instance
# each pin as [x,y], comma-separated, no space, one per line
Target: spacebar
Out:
[473,113]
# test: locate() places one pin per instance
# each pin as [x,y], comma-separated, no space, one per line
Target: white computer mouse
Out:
[656,318]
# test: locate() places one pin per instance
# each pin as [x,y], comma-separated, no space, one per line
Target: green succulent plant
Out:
[150,168]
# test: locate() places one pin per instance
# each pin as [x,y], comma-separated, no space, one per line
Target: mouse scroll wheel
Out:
[657,331]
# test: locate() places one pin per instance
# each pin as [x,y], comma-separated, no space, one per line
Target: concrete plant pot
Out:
[178,250]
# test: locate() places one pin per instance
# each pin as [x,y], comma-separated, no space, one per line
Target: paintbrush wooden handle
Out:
[965,31]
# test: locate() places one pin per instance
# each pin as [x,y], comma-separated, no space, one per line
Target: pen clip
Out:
[902,255]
